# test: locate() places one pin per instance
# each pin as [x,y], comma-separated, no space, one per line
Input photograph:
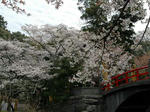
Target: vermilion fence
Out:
[127,77]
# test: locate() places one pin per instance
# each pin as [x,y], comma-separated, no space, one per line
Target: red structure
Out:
[127,77]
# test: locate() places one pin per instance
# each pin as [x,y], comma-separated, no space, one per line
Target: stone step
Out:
[91,101]
[133,108]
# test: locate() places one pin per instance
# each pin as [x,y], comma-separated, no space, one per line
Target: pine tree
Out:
[3,23]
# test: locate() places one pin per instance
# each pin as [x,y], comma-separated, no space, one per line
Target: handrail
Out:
[127,77]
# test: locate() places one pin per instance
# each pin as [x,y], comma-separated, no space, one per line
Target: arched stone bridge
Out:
[134,97]
[128,92]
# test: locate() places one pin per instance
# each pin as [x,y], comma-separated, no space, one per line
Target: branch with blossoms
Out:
[14,5]
[116,21]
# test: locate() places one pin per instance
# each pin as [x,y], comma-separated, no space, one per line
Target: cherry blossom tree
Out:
[20,63]
[67,42]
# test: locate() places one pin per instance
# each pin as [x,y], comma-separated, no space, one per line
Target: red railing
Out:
[127,77]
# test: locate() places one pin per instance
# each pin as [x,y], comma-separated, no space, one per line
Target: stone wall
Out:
[82,100]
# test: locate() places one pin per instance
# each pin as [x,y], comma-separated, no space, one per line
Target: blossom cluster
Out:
[28,58]
[68,42]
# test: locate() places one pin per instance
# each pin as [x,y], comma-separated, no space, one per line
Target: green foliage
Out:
[146,46]
[18,36]
[3,23]
[7,35]
[144,49]
[59,86]
[97,19]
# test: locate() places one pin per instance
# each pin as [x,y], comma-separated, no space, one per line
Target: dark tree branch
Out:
[140,39]
[143,34]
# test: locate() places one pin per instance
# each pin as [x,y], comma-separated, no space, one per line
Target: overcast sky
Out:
[42,13]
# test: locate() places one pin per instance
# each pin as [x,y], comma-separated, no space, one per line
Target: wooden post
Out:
[116,81]
[126,78]
[148,68]
[137,75]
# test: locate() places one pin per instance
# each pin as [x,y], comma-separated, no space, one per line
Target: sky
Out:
[43,13]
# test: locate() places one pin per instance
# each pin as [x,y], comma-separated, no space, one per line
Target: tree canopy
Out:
[113,20]
[63,57]
[109,25]
[51,59]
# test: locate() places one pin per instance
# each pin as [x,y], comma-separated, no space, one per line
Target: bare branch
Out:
[42,45]
[143,34]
